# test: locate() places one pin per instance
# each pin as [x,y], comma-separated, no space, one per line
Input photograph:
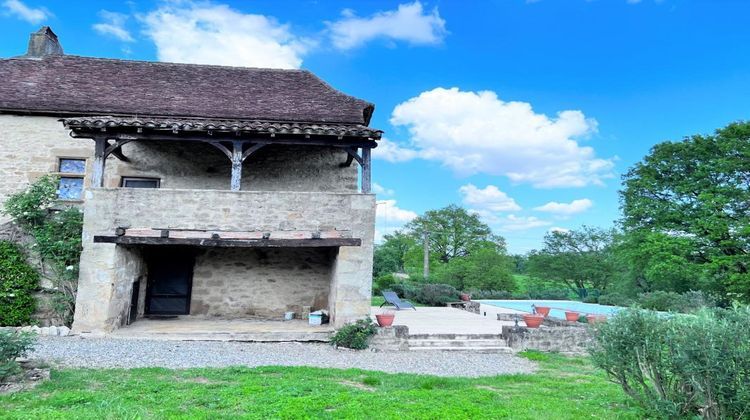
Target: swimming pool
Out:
[558,307]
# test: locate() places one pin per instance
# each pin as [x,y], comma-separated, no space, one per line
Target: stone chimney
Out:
[43,43]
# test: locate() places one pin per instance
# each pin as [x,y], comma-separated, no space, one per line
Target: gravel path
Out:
[131,353]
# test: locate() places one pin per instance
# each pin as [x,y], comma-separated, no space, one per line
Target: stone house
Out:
[207,191]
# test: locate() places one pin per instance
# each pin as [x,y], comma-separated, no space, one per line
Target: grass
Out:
[563,388]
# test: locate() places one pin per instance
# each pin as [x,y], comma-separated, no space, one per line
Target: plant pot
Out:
[596,319]
[533,320]
[572,316]
[385,320]
[543,310]
[465,297]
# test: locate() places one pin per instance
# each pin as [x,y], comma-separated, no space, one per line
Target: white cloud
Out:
[476,132]
[380,190]
[113,25]
[24,12]
[408,23]
[390,218]
[558,229]
[512,223]
[566,209]
[393,152]
[206,33]
[489,198]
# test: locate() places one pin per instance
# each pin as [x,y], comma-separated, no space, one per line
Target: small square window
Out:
[72,166]
[70,188]
[133,182]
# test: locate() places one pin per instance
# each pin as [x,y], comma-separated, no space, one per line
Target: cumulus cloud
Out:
[558,229]
[511,222]
[206,33]
[380,190]
[390,218]
[408,23]
[113,24]
[487,198]
[566,209]
[20,10]
[476,132]
[393,152]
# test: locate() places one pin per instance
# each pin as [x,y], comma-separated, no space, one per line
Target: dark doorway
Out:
[170,280]
[134,302]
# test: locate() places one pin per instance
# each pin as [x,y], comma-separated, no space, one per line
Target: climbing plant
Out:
[18,281]
[56,231]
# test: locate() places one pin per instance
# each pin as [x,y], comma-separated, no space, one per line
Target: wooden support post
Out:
[236,164]
[366,170]
[100,158]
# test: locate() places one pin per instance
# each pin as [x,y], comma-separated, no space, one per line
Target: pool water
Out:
[558,307]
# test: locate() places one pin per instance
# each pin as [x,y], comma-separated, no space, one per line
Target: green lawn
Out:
[564,388]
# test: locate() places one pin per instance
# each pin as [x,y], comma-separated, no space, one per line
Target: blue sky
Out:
[526,112]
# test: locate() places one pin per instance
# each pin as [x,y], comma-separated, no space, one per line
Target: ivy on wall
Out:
[57,238]
[18,281]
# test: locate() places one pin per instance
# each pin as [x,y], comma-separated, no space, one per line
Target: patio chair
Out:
[392,298]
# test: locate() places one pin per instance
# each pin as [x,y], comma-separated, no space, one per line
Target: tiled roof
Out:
[73,85]
[187,125]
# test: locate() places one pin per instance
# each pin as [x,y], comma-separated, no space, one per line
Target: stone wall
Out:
[395,338]
[31,145]
[236,282]
[571,340]
[101,299]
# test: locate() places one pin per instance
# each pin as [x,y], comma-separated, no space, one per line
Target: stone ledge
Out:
[566,340]
[395,338]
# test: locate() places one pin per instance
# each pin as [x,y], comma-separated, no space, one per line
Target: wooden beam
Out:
[100,158]
[366,171]
[230,243]
[237,164]
[251,150]
[352,154]
[331,142]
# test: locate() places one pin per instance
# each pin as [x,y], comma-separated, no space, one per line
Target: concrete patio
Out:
[444,320]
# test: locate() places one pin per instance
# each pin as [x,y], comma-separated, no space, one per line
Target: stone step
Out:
[456,336]
[457,343]
[499,349]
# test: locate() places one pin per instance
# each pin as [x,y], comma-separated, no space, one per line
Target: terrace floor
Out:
[444,320]
[212,329]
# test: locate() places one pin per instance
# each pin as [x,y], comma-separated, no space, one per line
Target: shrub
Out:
[57,235]
[18,281]
[13,344]
[383,282]
[680,365]
[405,290]
[615,299]
[590,299]
[436,294]
[663,301]
[550,294]
[355,335]
[490,294]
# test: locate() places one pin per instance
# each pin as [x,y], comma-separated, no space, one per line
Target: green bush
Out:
[57,235]
[18,281]
[550,294]
[13,344]
[355,335]
[590,299]
[383,282]
[436,294]
[662,301]
[490,294]
[679,366]
[615,299]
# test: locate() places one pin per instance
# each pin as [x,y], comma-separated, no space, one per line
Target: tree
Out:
[485,268]
[453,232]
[390,255]
[578,259]
[698,190]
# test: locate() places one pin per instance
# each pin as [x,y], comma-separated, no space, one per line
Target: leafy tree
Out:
[390,255]
[486,268]
[579,259]
[698,190]
[453,232]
